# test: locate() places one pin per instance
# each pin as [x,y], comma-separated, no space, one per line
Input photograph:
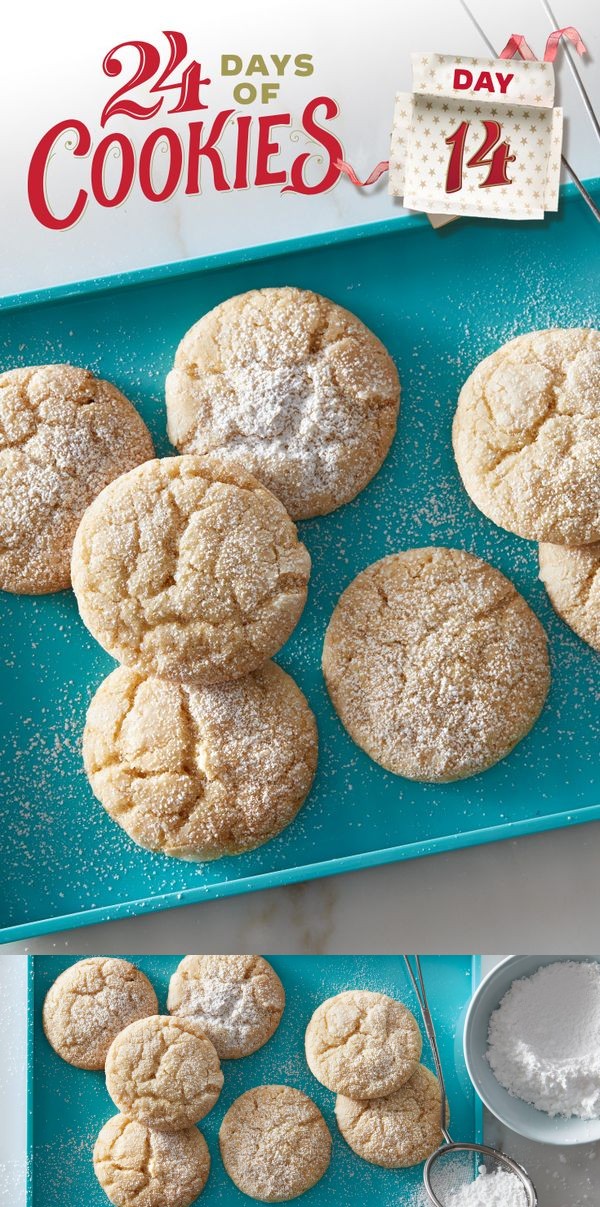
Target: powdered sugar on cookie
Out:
[237,1000]
[190,570]
[435,663]
[275,1143]
[292,386]
[64,435]
[200,772]
[527,436]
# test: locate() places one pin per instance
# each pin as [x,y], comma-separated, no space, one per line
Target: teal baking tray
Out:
[440,301]
[67,1107]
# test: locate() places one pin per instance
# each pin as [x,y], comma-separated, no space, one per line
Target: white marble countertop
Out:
[563,1177]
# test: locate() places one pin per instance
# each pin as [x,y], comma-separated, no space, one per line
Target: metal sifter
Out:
[452,1165]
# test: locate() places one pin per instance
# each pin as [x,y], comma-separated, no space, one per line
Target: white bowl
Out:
[516,1114]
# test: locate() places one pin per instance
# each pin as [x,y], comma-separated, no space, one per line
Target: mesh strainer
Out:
[454,1165]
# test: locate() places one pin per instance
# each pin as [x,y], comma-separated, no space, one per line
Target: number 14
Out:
[493,153]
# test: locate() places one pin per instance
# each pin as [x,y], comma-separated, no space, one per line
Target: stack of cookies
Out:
[103,1013]
[366,1048]
[163,1072]
[191,574]
[189,571]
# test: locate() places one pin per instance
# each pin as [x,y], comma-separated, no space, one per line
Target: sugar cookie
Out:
[362,1044]
[190,570]
[237,1001]
[398,1131]
[164,1072]
[200,772]
[294,387]
[275,1143]
[138,1166]
[527,436]
[64,434]
[572,580]
[435,664]
[89,1003]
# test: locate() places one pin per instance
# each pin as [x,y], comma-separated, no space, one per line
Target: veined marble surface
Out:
[540,893]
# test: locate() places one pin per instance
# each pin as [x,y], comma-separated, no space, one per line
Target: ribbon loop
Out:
[517,45]
[553,42]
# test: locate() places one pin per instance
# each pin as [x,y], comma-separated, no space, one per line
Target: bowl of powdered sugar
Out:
[532,1046]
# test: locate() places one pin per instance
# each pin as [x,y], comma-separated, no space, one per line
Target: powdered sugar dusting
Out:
[292,386]
[435,663]
[275,1143]
[236,1000]
[455,1186]
[199,773]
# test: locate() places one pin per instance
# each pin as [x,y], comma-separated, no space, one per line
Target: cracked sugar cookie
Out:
[89,1003]
[164,1072]
[435,664]
[189,569]
[200,772]
[527,436]
[237,1001]
[572,580]
[275,1143]
[64,435]
[398,1131]
[362,1044]
[138,1166]
[294,387]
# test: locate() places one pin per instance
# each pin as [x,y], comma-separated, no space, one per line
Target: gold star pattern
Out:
[529,124]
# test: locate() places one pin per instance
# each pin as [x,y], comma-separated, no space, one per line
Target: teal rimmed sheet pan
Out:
[440,301]
[69,1106]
